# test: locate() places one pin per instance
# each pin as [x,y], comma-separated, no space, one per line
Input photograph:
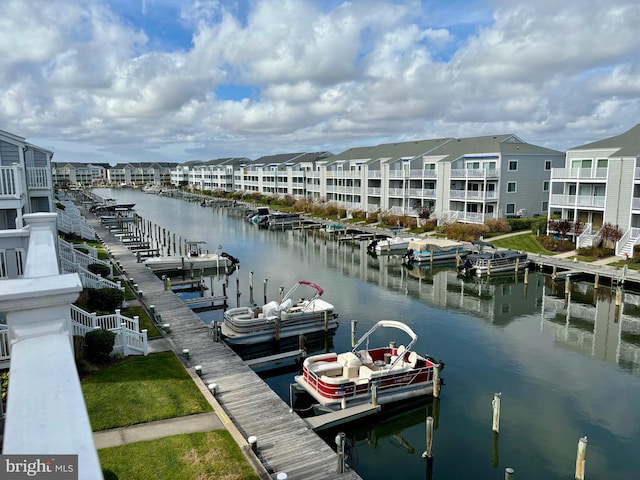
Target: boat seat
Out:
[413,359]
[327,368]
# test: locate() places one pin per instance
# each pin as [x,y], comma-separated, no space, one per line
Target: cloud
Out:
[313,74]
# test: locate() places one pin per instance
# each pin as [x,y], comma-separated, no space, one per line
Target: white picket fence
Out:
[89,279]
[70,253]
[129,339]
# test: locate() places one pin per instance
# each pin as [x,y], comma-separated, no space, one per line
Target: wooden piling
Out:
[354,323]
[436,381]
[428,451]
[265,290]
[581,458]
[496,412]
[509,473]
[251,288]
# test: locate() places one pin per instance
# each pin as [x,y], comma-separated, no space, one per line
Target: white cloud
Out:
[321,75]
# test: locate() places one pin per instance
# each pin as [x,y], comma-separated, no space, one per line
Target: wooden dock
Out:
[244,402]
[338,417]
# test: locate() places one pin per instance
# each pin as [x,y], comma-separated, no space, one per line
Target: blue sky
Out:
[177,80]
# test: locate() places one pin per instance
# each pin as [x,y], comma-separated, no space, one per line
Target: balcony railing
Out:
[576,201]
[480,173]
[579,173]
[38,177]
[474,195]
[9,182]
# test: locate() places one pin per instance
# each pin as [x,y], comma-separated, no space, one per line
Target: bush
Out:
[519,224]
[109,474]
[99,344]
[464,231]
[498,225]
[103,299]
[99,269]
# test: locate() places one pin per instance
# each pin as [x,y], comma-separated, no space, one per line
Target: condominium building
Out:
[141,173]
[600,184]
[67,174]
[467,180]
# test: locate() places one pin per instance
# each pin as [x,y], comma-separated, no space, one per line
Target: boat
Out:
[260,216]
[392,374]
[396,245]
[194,259]
[432,249]
[494,261]
[282,221]
[280,319]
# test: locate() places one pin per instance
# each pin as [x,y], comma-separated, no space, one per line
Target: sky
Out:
[178,80]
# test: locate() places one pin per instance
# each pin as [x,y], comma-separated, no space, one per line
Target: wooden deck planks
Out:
[285,441]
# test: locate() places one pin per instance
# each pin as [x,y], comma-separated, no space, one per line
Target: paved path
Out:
[203,422]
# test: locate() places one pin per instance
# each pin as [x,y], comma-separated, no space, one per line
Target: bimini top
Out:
[312,285]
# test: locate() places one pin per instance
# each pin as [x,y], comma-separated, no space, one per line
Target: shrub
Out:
[99,269]
[496,225]
[359,214]
[109,474]
[519,224]
[99,344]
[104,299]
[464,231]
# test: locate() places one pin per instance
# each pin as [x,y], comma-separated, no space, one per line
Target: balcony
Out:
[579,173]
[422,193]
[10,182]
[476,173]
[576,201]
[473,195]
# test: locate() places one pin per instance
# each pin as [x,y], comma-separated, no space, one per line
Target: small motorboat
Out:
[390,373]
[391,245]
[194,259]
[488,262]
[433,249]
[277,320]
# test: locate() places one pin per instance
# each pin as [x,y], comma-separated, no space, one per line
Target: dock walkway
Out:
[245,403]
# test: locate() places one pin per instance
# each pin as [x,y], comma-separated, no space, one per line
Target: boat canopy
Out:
[434,244]
[388,324]
[312,285]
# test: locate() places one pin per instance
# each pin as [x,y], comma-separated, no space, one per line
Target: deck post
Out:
[554,273]
[253,443]
[581,458]
[265,289]
[596,281]
[374,394]
[251,288]
[353,332]
[517,264]
[427,453]
[340,441]
[567,284]
[436,381]
[277,328]
[496,412]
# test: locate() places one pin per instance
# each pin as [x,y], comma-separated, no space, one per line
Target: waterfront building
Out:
[141,173]
[467,180]
[599,184]
[66,174]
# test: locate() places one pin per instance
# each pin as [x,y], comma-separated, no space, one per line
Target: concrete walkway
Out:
[202,422]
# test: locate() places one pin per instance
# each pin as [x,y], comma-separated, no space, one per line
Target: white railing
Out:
[89,279]
[577,200]
[4,344]
[71,221]
[579,173]
[584,237]
[129,339]
[70,253]
[38,177]
[475,173]
[9,181]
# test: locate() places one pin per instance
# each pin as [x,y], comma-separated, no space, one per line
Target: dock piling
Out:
[436,381]
[340,444]
[496,412]
[581,458]
[427,453]
[509,473]
[353,332]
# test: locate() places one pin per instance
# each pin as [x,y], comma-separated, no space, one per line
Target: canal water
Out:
[567,363]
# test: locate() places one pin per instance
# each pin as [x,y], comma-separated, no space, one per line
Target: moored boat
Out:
[280,319]
[432,249]
[390,373]
[194,259]
[396,245]
[486,263]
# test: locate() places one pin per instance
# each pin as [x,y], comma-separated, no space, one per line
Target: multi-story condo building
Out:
[78,174]
[600,184]
[211,175]
[283,174]
[25,180]
[140,174]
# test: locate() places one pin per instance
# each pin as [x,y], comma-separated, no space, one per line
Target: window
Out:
[513,165]
[511,187]
[545,206]
[511,208]
[547,165]
[545,186]
[602,163]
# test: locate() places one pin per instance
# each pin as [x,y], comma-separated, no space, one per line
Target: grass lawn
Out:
[526,242]
[139,390]
[197,455]
[145,320]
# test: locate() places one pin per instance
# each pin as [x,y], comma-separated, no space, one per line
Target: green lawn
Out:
[139,390]
[145,320]
[193,456]
[525,242]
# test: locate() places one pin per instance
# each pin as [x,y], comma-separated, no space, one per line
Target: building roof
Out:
[391,151]
[628,143]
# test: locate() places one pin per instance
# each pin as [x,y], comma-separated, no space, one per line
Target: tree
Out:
[610,234]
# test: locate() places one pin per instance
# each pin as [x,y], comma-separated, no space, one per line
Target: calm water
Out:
[567,365]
